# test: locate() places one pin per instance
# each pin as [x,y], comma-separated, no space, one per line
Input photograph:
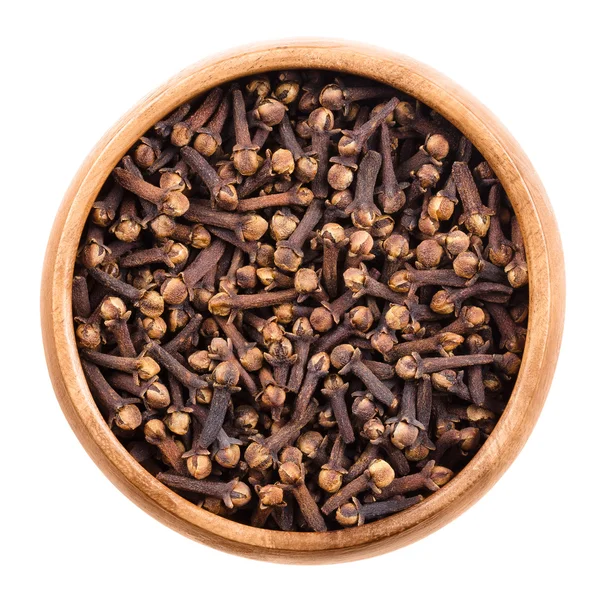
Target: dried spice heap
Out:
[300,301]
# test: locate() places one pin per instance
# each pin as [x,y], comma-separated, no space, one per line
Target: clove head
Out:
[200,361]
[429,254]
[270,111]
[128,417]
[319,363]
[306,281]
[155,431]
[466,265]
[397,317]
[332,97]
[152,304]
[226,374]
[288,259]
[437,146]
[334,232]
[112,308]
[340,177]
[400,282]
[228,458]
[220,304]
[246,161]
[309,443]
[440,207]
[404,435]
[361,318]
[258,456]
[381,473]
[290,473]
[428,176]
[157,396]
[282,225]
[406,367]
[320,120]
[284,313]
[442,303]
[306,169]
[347,515]
[321,319]
[355,279]
[155,327]
[199,466]
[270,495]
[147,368]
[254,227]
[240,495]
[178,422]
[330,480]
[245,417]
[396,246]
[175,204]
[478,223]
[441,475]
[174,291]
[88,336]
[282,162]
[252,360]
[360,243]
[341,355]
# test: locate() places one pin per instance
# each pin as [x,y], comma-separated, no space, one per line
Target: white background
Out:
[69,72]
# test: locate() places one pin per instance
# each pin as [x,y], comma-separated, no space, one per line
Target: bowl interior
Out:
[545,321]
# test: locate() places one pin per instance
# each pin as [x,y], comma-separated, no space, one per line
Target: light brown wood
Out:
[547,299]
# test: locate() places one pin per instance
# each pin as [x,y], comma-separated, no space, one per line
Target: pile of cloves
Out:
[300,301]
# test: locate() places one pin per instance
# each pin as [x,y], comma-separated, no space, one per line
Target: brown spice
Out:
[293,304]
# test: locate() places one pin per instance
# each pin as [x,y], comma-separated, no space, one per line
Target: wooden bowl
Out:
[547,298]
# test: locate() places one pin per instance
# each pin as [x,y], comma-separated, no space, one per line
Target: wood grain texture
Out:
[547,304]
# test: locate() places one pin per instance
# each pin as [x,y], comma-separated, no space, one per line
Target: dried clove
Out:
[274,228]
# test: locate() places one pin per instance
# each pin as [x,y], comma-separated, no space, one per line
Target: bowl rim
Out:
[547,299]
